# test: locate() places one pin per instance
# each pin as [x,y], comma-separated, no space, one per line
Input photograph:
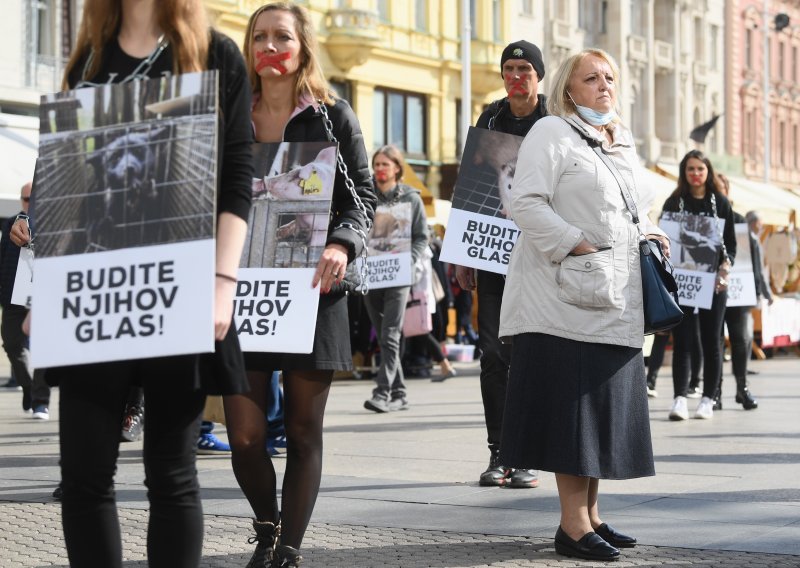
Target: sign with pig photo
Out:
[480,231]
[124,203]
[695,250]
[275,308]
[389,247]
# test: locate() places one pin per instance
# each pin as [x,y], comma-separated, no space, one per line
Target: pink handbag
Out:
[417,319]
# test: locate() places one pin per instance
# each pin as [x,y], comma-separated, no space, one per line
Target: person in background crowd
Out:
[522,68]
[387,306]
[576,402]
[116,42]
[739,319]
[35,391]
[292,102]
[697,194]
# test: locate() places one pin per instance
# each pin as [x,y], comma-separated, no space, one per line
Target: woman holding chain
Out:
[292,102]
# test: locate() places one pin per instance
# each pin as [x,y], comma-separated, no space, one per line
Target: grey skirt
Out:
[576,408]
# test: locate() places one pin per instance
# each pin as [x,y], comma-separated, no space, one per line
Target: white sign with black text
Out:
[741,281]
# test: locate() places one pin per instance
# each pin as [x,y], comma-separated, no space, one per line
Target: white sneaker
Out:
[652,393]
[705,410]
[694,393]
[680,410]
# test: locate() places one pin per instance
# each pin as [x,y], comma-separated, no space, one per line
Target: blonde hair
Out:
[559,102]
[184,22]
[310,78]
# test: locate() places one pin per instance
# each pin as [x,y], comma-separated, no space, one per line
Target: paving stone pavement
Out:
[30,535]
[400,489]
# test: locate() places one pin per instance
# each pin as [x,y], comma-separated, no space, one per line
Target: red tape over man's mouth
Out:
[272,60]
[516,83]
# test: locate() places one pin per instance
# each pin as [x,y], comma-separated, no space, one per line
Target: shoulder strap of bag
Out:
[627,195]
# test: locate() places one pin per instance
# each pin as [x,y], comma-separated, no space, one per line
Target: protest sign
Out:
[125,214]
[23,281]
[741,281]
[275,308]
[695,248]
[389,247]
[480,232]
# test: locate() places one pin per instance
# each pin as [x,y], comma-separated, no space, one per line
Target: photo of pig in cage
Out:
[127,165]
[292,190]
[391,230]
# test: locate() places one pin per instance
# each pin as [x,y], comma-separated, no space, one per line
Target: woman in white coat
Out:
[572,308]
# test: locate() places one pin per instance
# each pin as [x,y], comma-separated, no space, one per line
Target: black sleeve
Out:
[347,131]
[725,211]
[236,132]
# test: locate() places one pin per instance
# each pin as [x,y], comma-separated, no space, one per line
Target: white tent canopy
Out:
[773,203]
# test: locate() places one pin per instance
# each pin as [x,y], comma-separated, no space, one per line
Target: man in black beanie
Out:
[522,68]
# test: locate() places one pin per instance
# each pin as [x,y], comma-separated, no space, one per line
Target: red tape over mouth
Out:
[517,83]
[272,60]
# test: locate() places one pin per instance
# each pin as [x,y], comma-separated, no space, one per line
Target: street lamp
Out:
[781,21]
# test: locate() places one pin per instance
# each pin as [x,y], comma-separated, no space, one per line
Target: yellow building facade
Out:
[398,63]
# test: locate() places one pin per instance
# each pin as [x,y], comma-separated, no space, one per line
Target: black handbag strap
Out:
[627,195]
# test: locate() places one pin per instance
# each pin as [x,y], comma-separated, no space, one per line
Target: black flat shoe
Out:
[591,546]
[614,538]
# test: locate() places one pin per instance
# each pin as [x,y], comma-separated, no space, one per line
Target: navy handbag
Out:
[659,289]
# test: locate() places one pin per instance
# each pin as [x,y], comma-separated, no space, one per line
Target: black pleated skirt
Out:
[576,408]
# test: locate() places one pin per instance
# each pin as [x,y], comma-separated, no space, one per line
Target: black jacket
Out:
[497,116]
[9,258]
[308,126]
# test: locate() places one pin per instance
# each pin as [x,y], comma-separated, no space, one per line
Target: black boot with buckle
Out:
[286,557]
[743,395]
[495,474]
[267,535]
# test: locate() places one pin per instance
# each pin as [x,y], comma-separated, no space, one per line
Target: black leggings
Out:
[305,397]
[91,407]
[683,335]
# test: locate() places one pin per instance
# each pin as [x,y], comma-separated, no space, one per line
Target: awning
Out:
[19,146]
[776,206]
[653,191]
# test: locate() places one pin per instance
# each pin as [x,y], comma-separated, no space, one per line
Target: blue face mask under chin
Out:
[592,116]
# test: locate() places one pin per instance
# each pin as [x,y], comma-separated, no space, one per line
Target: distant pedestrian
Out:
[572,306]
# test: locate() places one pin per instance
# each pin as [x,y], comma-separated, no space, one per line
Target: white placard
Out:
[389,247]
[125,304]
[741,280]
[23,281]
[479,241]
[275,309]
[388,270]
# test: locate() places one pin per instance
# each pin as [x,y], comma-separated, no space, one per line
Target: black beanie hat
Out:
[524,50]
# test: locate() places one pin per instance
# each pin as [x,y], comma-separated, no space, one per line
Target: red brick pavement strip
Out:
[30,535]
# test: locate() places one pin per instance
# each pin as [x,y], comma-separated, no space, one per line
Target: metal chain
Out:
[27,219]
[140,72]
[342,167]
[719,231]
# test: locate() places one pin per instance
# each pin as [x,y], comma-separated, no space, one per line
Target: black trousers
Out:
[92,404]
[683,335]
[737,319]
[15,344]
[495,356]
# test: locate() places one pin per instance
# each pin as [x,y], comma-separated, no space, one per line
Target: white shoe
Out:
[652,393]
[680,410]
[694,393]
[705,410]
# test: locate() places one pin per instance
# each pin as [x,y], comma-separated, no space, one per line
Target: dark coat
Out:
[497,116]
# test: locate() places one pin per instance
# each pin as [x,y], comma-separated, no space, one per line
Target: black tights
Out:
[305,397]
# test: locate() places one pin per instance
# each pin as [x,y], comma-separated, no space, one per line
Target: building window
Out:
[796,146]
[472,10]
[44,28]
[497,21]
[781,58]
[527,7]
[699,36]
[342,89]
[400,120]
[713,59]
[421,15]
[383,11]
[794,64]
[782,143]
[748,48]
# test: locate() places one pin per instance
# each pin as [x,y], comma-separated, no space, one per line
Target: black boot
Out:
[286,557]
[267,535]
[743,395]
[495,474]
[718,399]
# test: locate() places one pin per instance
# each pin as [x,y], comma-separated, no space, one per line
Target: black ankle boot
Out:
[267,535]
[746,399]
[286,557]
[495,474]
